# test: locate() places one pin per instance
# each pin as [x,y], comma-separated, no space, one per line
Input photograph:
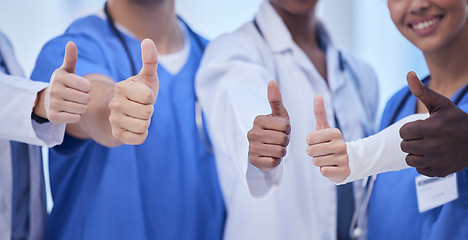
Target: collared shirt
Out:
[232,85]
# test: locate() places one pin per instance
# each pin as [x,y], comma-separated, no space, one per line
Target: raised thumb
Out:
[276,103]
[149,56]
[432,100]
[320,113]
[70,57]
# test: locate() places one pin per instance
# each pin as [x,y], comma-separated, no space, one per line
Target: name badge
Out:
[435,192]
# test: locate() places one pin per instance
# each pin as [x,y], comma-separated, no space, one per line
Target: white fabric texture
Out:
[17,98]
[296,201]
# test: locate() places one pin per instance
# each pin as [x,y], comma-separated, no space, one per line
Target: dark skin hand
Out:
[438,145]
[269,135]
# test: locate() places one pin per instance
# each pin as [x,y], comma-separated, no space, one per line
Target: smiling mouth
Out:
[421,25]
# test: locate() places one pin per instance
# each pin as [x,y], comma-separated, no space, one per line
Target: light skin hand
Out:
[67,97]
[269,135]
[132,105]
[436,146]
[327,147]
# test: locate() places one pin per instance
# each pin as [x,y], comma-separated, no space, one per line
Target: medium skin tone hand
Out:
[327,147]
[436,146]
[131,107]
[66,99]
[269,135]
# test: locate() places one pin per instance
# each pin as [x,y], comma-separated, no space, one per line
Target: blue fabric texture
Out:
[166,188]
[393,208]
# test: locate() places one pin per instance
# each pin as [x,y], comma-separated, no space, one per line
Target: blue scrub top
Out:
[165,188]
[393,207]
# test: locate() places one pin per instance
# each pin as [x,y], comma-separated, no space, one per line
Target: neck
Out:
[447,65]
[301,27]
[156,21]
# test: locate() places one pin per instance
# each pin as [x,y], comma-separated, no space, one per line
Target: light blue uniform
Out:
[166,188]
[393,208]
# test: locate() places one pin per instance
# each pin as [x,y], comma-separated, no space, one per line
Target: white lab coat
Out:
[231,86]
[17,98]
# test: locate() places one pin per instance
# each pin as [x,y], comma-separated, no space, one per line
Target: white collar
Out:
[276,33]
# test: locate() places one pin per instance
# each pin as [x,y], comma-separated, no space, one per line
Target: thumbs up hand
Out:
[132,104]
[436,146]
[66,99]
[327,147]
[269,135]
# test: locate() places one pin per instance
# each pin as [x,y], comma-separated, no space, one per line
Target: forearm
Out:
[20,94]
[95,123]
[378,153]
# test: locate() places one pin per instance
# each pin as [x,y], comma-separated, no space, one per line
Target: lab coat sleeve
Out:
[378,153]
[232,89]
[18,96]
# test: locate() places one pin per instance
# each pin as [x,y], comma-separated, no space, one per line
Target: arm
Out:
[120,113]
[63,101]
[231,86]
[343,163]
[18,96]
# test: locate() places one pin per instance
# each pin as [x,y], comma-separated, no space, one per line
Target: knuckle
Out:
[324,171]
[148,112]
[148,96]
[119,88]
[115,104]
[258,119]
[282,152]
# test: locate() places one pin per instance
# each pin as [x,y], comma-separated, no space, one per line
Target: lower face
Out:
[295,7]
[430,24]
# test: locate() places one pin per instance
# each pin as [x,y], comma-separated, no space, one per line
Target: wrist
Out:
[38,112]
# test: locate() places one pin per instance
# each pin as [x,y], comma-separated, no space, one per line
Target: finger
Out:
[70,57]
[131,108]
[323,149]
[415,161]
[432,100]
[64,117]
[267,150]
[323,136]
[320,113]
[149,56]
[330,160]
[413,130]
[268,122]
[416,147]
[274,138]
[134,91]
[276,103]
[128,137]
[60,105]
[265,163]
[128,123]
[335,174]
[427,171]
[76,82]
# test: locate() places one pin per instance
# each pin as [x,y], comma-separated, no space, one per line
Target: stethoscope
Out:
[198,111]
[359,215]
[366,121]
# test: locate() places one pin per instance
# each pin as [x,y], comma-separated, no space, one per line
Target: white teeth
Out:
[425,24]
